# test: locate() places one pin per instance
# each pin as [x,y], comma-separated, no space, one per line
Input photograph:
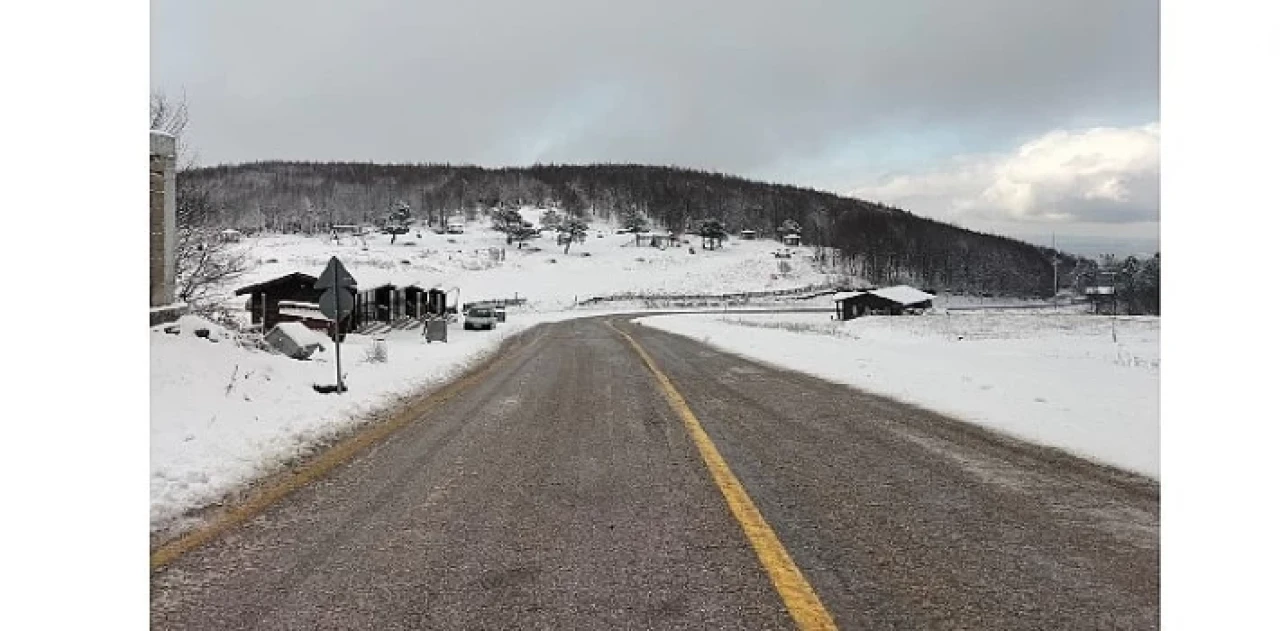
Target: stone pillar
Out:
[163,219]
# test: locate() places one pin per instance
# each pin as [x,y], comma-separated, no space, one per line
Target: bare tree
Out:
[170,116]
[205,261]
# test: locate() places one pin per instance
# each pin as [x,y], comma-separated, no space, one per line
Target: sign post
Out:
[336,302]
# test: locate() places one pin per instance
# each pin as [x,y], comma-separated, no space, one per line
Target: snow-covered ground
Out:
[224,414]
[483,266]
[1053,378]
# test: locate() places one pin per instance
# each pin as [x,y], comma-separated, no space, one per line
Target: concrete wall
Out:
[163,222]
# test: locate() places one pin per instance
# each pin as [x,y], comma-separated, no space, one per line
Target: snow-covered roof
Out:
[301,335]
[287,278]
[902,294]
[846,294]
[792,236]
[1100,291]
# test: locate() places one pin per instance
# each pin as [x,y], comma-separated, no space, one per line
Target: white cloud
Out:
[1096,176]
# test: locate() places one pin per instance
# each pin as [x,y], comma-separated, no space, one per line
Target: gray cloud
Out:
[738,86]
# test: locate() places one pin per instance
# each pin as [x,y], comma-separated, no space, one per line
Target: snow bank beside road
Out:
[1057,380]
[223,415]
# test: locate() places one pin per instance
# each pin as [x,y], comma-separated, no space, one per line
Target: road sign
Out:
[335,275]
[337,303]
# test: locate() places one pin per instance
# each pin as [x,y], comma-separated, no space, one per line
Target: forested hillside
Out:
[881,244]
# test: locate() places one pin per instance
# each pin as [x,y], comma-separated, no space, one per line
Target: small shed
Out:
[748,235]
[264,304]
[295,340]
[791,240]
[894,300]
[1103,298]
[655,240]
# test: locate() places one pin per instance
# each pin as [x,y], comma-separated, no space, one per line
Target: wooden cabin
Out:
[895,300]
[265,297]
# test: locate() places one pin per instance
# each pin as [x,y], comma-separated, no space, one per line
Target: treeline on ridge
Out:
[881,244]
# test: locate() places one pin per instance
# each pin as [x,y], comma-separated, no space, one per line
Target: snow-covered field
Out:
[1065,380]
[223,414]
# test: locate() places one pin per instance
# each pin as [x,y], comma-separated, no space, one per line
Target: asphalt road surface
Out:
[564,491]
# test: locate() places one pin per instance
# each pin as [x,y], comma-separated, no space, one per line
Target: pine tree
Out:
[570,229]
[712,232]
[634,221]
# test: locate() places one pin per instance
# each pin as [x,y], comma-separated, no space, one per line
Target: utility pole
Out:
[1054,241]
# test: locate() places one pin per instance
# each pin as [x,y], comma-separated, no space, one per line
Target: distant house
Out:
[748,235]
[894,300]
[1103,298]
[655,240]
[265,297]
[791,240]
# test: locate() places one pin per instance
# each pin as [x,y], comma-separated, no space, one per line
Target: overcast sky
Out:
[1015,116]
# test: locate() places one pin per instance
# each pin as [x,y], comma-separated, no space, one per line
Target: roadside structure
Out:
[163,229]
[265,297]
[895,300]
[1103,299]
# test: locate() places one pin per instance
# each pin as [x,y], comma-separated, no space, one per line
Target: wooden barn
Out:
[265,297]
[895,300]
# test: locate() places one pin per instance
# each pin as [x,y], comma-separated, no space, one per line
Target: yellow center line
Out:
[801,601]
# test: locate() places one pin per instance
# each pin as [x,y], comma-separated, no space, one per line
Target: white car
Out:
[480,318]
